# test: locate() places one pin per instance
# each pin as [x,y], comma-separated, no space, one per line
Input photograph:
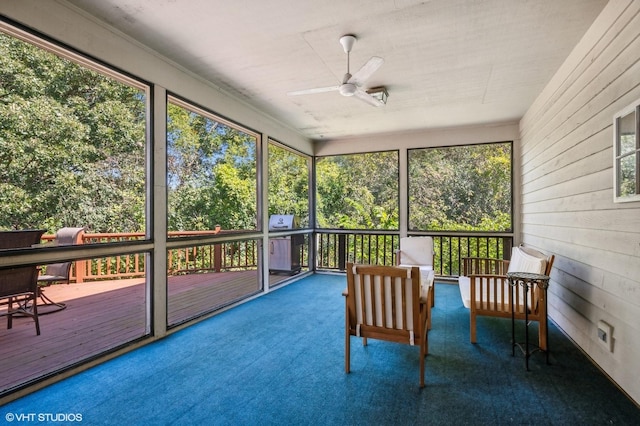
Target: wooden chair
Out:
[19,285]
[386,303]
[485,289]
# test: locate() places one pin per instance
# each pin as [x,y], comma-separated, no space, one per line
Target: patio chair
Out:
[58,272]
[485,289]
[19,285]
[418,251]
[385,303]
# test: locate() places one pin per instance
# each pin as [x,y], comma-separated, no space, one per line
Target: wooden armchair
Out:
[485,289]
[19,285]
[386,303]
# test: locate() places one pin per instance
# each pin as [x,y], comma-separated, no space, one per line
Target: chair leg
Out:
[35,313]
[423,354]
[23,311]
[347,342]
[9,315]
[433,295]
[347,353]
[425,323]
[430,304]
[542,333]
[472,326]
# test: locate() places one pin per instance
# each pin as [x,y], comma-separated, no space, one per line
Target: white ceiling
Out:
[447,62]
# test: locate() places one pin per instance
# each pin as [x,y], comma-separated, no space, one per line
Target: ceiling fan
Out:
[351,84]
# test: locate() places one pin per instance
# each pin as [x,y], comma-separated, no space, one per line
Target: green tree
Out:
[288,184]
[211,173]
[72,144]
[460,188]
[358,191]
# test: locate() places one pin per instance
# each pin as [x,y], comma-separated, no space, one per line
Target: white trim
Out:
[629,109]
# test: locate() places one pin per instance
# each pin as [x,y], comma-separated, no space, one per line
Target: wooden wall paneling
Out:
[593,200]
[584,261]
[625,220]
[592,110]
[591,165]
[559,189]
[621,242]
[614,20]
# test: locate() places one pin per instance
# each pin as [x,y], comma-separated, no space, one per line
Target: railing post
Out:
[342,252]
[506,248]
[81,265]
[217,257]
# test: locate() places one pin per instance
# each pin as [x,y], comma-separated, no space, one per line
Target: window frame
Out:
[633,108]
[351,154]
[82,59]
[309,160]
[196,108]
[465,145]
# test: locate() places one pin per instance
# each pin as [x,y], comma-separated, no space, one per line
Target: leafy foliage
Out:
[72,153]
[462,188]
[72,144]
[211,173]
[288,184]
[358,191]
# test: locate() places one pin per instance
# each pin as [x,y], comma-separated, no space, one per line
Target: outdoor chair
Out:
[19,285]
[418,251]
[58,272]
[386,303]
[485,289]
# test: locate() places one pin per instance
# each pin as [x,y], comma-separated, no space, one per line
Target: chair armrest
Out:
[484,266]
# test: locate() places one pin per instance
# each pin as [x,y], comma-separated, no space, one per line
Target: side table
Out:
[527,281]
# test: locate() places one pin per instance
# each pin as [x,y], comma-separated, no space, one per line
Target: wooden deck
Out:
[101,316]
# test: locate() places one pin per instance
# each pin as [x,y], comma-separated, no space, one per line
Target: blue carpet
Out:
[280,360]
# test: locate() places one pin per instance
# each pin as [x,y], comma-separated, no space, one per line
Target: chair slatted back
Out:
[386,301]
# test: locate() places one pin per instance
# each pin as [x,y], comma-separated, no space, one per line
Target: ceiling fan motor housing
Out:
[348,89]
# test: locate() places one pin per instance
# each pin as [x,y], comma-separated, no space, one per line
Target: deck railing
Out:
[336,247]
[227,256]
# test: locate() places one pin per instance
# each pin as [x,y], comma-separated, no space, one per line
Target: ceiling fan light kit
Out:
[380,93]
[352,84]
[348,89]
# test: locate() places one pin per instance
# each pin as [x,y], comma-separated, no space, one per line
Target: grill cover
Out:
[278,222]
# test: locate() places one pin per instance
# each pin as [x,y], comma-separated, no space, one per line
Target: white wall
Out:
[567,193]
[420,139]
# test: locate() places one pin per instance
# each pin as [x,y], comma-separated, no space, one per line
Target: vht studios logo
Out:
[43,417]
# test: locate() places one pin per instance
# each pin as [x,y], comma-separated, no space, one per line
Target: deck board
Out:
[103,315]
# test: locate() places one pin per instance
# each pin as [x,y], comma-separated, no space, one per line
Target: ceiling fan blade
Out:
[366,71]
[312,91]
[364,96]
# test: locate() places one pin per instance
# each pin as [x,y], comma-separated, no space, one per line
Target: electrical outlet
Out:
[605,335]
